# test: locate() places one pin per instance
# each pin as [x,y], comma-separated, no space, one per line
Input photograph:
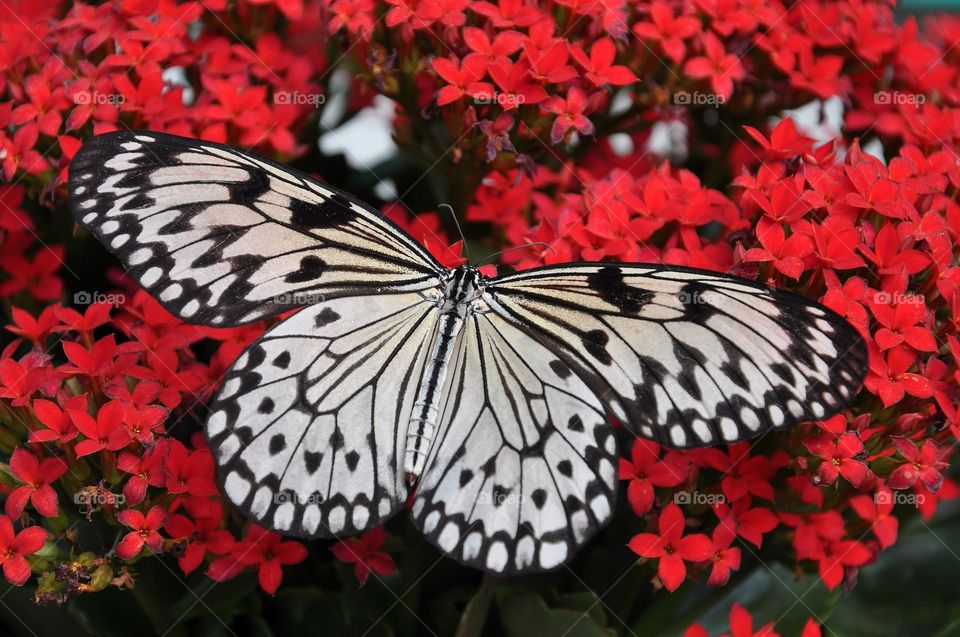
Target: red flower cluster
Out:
[572,131]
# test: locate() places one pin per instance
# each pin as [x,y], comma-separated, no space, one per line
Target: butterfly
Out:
[487,399]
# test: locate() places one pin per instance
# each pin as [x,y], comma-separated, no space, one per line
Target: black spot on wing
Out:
[560,369]
[609,284]
[329,214]
[696,300]
[352,459]
[325,317]
[311,268]
[500,494]
[312,460]
[282,360]
[539,497]
[277,444]
[595,342]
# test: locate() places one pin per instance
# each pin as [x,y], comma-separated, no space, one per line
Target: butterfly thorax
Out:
[461,290]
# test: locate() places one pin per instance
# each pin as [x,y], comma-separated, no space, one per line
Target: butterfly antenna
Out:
[466,248]
[526,245]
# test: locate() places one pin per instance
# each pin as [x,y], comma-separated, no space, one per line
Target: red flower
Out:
[148,470]
[58,423]
[725,558]
[787,254]
[18,381]
[749,523]
[785,140]
[505,43]
[668,30]
[365,554]
[15,547]
[38,276]
[741,624]
[459,79]
[889,379]
[38,476]
[508,13]
[894,257]
[671,547]
[35,330]
[98,362]
[600,67]
[923,465]
[742,473]
[20,152]
[263,549]
[645,471]
[142,423]
[570,112]
[877,511]
[720,67]
[840,455]
[900,323]
[515,85]
[201,534]
[838,557]
[190,471]
[146,531]
[106,432]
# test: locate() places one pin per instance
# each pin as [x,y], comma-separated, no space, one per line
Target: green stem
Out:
[475,614]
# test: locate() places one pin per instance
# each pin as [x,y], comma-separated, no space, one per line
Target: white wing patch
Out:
[522,472]
[311,419]
[687,357]
[223,238]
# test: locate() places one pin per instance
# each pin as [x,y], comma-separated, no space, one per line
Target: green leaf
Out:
[524,614]
[913,589]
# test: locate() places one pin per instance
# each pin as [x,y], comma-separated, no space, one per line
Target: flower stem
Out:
[475,614]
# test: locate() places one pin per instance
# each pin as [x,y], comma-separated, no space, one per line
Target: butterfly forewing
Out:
[522,472]
[221,237]
[689,357]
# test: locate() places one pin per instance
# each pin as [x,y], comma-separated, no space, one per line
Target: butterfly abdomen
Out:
[460,292]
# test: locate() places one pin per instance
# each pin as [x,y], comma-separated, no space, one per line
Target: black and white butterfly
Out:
[487,397]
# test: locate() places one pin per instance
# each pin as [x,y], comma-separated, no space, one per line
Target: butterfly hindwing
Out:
[221,237]
[311,420]
[689,357]
[522,471]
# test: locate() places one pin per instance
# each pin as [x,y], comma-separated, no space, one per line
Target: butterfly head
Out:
[462,286]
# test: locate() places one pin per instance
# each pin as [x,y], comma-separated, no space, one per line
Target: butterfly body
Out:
[456,300]
[489,398]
